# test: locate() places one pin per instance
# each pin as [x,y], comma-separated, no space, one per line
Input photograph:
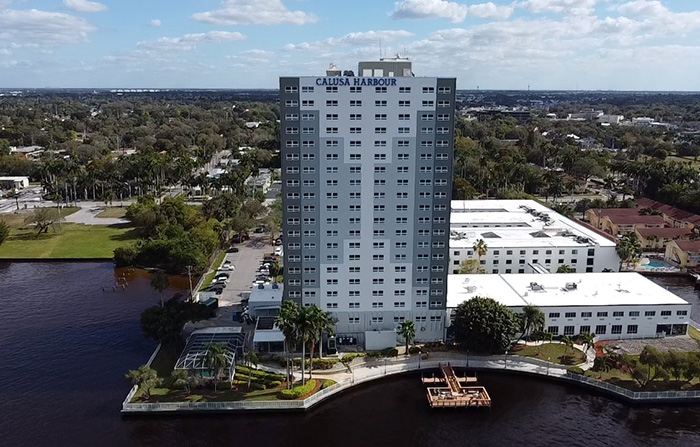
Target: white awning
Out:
[268,337]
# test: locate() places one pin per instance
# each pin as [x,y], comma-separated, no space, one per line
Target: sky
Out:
[500,44]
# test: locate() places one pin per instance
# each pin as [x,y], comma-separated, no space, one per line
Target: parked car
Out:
[279,251]
[259,230]
[232,250]
[227,267]
[225,275]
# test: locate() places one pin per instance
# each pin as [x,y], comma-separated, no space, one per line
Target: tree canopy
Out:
[483,325]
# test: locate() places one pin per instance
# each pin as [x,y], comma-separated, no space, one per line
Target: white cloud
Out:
[156,22]
[352,39]
[491,11]
[424,9]
[565,7]
[189,42]
[34,28]
[454,12]
[4,4]
[643,8]
[254,12]
[84,6]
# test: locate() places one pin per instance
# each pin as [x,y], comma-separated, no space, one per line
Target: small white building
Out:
[260,181]
[523,236]
[265,300]
[609,305]
[14,182]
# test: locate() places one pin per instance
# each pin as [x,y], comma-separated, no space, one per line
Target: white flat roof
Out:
[268,336]
[514,223]
[266,295]
[592,289]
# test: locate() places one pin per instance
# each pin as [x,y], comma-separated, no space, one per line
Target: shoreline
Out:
[380,370]
[18,260]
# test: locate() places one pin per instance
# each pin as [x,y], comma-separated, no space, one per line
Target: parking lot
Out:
[246,262]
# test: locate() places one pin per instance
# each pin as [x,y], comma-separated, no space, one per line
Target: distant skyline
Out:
[500,44]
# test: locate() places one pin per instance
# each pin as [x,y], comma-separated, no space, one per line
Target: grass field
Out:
[554,352]
[68,240]
[114,213]
[215,265]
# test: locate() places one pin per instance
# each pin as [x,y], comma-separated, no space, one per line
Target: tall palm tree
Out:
[215,359]
[306,329]
[532,320]
[286,322]
[407,330]
[480,248]
[320,322]
[160,282]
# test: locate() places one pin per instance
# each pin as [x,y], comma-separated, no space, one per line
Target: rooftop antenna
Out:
[380,48]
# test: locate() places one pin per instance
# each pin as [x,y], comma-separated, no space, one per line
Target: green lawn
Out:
[215,265]
[114,213]
[693,333]
[554,352]
[70,241]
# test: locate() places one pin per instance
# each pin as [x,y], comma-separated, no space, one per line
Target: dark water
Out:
[65,346]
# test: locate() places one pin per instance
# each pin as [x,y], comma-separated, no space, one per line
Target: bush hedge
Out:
[414,350]
[326,383]
[575,370]
[298,391]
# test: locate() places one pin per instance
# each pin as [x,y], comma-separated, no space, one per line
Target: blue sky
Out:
[499,44]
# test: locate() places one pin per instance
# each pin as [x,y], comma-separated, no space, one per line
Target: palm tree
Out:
[215,359]
[160,282]
[568,342]
[565,269]
[588,340]
[286,322]
[532,320]
[306,330]
[480,248]
[250,359]
[145,377]
[407,330]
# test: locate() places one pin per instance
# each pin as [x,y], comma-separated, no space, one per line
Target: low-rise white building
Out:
[523,236]
[609,305]
[265,300]
[15,182]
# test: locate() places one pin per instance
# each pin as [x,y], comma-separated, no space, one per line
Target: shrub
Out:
[373,354]
[390,352]
[223,386]
[125,256]
[298,391]
[324,363]
[275,383]
[326,383]
[575,370]
[414,350]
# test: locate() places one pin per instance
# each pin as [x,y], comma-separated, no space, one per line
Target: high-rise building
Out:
[366,189]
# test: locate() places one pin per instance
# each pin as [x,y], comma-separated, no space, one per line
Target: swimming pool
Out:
[654,264]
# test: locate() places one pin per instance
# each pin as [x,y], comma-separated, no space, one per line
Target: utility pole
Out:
[189,276]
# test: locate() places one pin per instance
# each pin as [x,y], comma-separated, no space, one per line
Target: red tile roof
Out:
[664,233]
[689,246]
[669,210]
[636,219]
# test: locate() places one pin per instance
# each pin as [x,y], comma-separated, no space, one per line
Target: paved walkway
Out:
[88,216]
[363,369]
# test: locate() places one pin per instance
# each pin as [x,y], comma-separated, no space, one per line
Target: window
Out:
[602,314]
[307,89]
[554,330]
[585,330]
[355,117]
[377,305]
[404,117]
[634,313]
[355,89]
[427,103]
[570,314]
[379,89]
[377,319]
[618,314]
[632,328]
[650,313]
[404,103]
[404,89]
[378,103]
[444,90]
[665,313]
[380,116]
[333,89]
[291,89]
[616,329]
[428,89]
[600,329]
[681,312]
[586,314]
[332,103]
[569,330]
[354,320]
[554,315]
[354,305]
[400,303]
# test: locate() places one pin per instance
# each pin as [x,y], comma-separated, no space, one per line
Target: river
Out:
[66,344]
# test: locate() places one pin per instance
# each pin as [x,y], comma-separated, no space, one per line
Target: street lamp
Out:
[505,359]
[385,367]
[548,360]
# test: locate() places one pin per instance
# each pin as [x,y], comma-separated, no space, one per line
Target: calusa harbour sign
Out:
[356,81]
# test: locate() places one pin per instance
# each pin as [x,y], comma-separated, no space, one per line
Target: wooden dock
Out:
[455,395]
